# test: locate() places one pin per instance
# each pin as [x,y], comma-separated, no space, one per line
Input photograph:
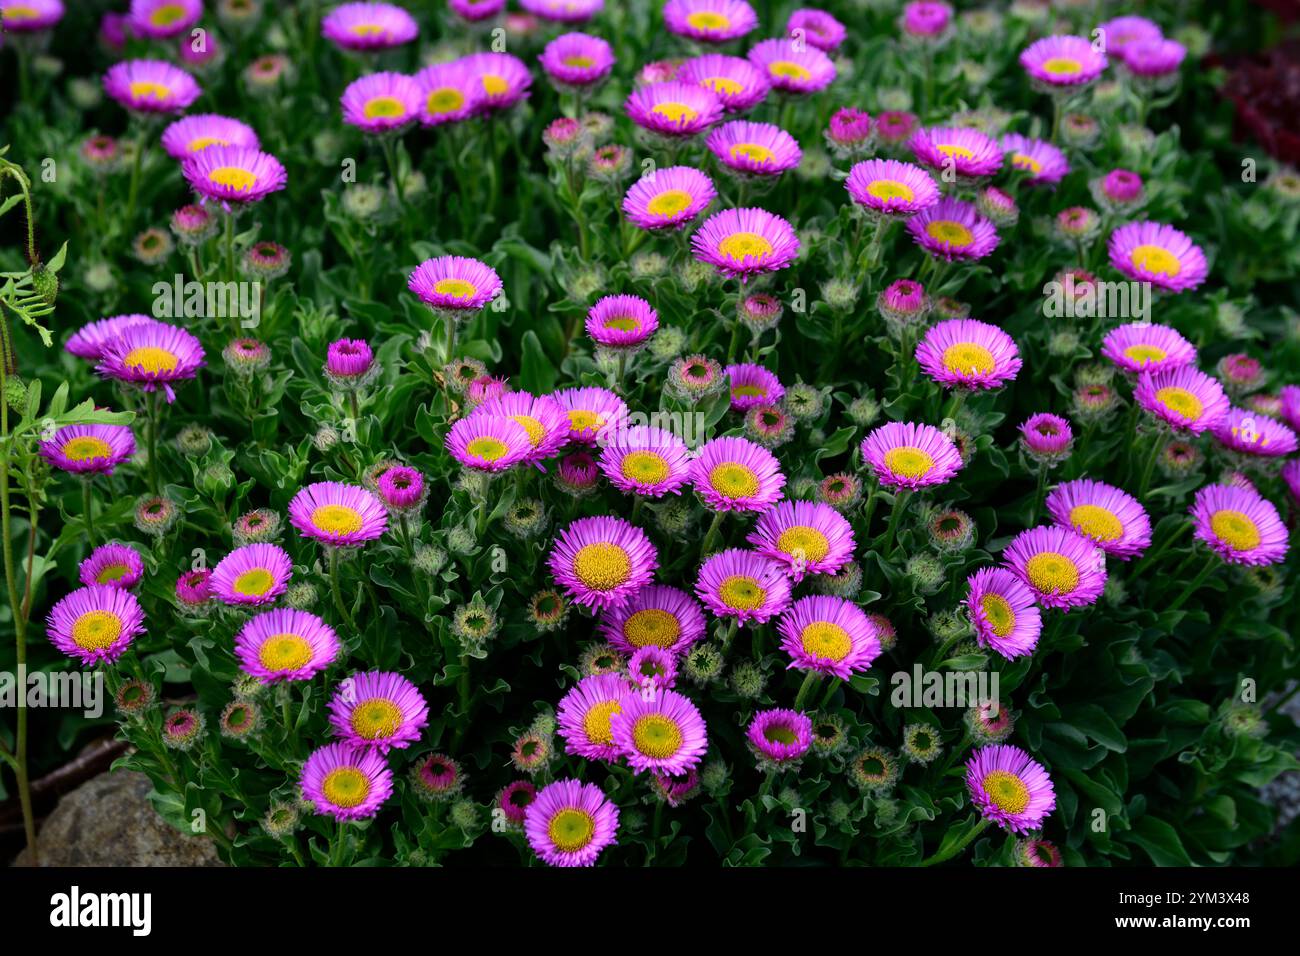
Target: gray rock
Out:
[109,821]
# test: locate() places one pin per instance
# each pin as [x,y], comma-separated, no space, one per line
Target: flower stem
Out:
[895,513]
[88,510]
[1210,565]
[960,845]
[809,682]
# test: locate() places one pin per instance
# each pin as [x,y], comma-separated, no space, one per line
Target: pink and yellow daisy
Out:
[742,243]
[1239,525]
[286,644]
[743,585]
[253,575]
[602,561]
[346,782]
[1063,568]
[657,616]
[338,514]
[378,710]
[668,198]
[910,455]
[1113,519]
[95,624]
[968,353]
[660,731]
[1004,612]
[829,635]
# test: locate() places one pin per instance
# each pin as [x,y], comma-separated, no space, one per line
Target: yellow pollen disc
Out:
[1021,161]
[580,419]
[376,719]
[595,722]
[951,149]
[114,572]
[740,592]
[487,448]
[456,288]
[345,787]
[969,359]
[167,14]
[780,734]
[1181,402]
[19,13]
[96,630]
[669,203]
[494,85]
[284,652]
[1235,529]
[571,829]
[384,107]
[143,89]
[748,391]
[652,626]
[448,99]
[602,566]
[86,447]
[733,480]
[644,467]
[753,152]
[740,246]
[997,611]
[950,233]
[581,62]
[1096,522]
[1145,354]
[804,543]
[708,20]
[675,112]
[234,177]
[1062,66]
[254,582]
[657,736]
[367,29]
[1007,791]
[908,462]
[1052,573]
[886,189]
[826,640]
[724,85]
[1156,260]
[203,142]
[152,359]
[337,519]
[536,430]
[624,323]
[789,70]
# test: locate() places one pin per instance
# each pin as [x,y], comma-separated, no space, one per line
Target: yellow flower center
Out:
[724,85]
[494,85]
[384,107]
[952,149]
[1145,354]
[1062,66]
[644,467]
[446,99]
[740,592]
[657,736]
[595,722]
[753,152]
[733,480]
[1235,529]
[624,323]
[1096,522]
[1007,791]
[740,246]
[826,640]
[968,358]
[580,419]
[19,13]
[203,142]
[487,448]
[602,566]
[456,288]
[167,14]
[337,519]
[96,630]
[1156,260]
[254,582]
[652,627]
[789,70]
[284,652]
[1052,573]
[950,233]
[376,719]
[571,829]
[144,89]
[235,177]
[1021,161]
[86,447]
[112,572]
[997,611]
[886,189]
[345,787]
[803,543]
[152,359]
[366,29]
[908,461]
[536,430]
[579,61]
[669,203]
[675,112]
[780,734]
[1181,402]
[708,20]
